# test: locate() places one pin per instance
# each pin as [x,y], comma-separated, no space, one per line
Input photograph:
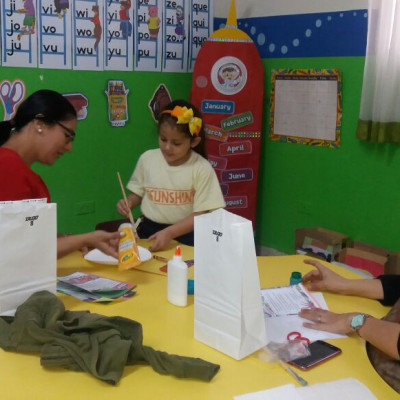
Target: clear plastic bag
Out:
[288,351]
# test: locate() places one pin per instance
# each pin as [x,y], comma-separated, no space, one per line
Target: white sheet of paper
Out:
[306,108]
[286,392]
[343,389]
[277,328]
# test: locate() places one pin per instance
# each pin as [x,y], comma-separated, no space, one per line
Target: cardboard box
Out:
[393,264]
[320,242]
[365,256]
[371,248]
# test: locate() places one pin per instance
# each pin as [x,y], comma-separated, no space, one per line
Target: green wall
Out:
[354,190]
[88,174]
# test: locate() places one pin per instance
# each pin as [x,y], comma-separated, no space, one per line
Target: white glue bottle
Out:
[177,277]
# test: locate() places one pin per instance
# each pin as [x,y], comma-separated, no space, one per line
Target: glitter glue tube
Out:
[128,253]
[295,278]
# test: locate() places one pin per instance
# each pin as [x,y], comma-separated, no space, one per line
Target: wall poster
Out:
[306,106]
[96,35]
[227,87]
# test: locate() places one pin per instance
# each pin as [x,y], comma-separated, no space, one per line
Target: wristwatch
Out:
[357,321]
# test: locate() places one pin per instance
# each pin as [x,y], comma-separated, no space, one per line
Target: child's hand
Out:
[160,240]
[122,208]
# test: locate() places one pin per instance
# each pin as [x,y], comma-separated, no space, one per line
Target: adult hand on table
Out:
[328,321]
[384,335]
[322,278]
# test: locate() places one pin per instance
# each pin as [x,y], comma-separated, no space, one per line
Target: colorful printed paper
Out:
[117,96]
[94,288]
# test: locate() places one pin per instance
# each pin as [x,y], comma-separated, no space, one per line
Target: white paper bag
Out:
[28,251]
[228,313]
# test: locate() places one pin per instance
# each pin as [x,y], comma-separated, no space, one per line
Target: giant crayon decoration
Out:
[227,87]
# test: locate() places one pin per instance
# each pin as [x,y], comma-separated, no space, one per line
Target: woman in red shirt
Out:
[42,130]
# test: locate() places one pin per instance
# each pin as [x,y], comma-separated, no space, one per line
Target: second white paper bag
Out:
[28,251]
[228,313]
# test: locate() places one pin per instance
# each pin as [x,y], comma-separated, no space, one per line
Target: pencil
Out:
[126,200]
[296,376]
[159,258]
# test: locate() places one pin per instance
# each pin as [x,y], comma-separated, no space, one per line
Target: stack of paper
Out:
[93,288]
[281,306]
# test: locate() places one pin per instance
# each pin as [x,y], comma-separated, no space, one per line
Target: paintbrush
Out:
[126,202]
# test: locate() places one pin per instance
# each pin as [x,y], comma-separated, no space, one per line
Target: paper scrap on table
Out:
[343,389]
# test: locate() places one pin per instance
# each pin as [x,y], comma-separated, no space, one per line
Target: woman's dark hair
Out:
[184,128]
[47,105]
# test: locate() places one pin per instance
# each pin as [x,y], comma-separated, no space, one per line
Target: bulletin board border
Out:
[312,73]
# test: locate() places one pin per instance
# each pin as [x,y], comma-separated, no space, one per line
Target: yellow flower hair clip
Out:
[185,115]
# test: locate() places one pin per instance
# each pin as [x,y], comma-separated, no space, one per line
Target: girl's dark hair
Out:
[184,128]
[47,105]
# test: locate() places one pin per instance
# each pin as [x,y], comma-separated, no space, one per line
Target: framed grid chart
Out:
[306,106]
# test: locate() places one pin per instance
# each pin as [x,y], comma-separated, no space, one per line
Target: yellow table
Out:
[170,328]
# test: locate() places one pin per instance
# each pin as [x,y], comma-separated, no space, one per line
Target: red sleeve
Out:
[19,182]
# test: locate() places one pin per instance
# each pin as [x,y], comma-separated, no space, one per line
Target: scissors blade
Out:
[5,90]
[17,92]
[11,94]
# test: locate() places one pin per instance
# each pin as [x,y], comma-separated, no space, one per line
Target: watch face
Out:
[357,321]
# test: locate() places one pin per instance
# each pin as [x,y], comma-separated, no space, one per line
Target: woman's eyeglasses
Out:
[69,133]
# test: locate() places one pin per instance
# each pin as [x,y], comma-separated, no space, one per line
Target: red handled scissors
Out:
[291,336]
